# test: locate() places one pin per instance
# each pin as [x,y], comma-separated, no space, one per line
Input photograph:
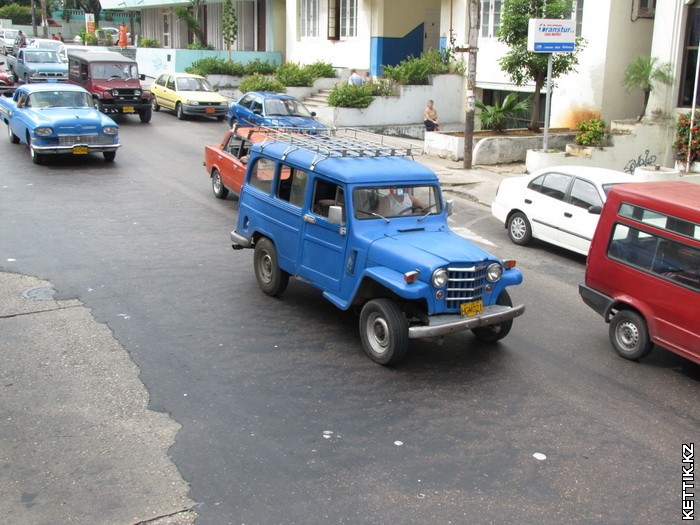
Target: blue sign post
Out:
[550,36]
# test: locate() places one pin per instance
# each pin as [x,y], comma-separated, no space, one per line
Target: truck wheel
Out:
[154,103]
[37,158]
[145,115]
[519,229]
[109,156]
[13,138]
[496,332]
[220,190]
[271,278]
[384,331]
[629,335]
[178,111]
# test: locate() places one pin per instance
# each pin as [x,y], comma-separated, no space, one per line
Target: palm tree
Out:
[495,117]
[643,73]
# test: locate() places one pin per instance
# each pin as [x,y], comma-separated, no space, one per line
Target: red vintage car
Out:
[6,79]
[226,162]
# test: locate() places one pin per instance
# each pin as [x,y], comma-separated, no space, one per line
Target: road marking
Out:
[470,235]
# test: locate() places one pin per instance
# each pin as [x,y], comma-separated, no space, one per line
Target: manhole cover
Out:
[41,293]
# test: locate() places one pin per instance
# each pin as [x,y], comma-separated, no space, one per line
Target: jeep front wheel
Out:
[496,332]
[145,115]
[271,278]
[384,331]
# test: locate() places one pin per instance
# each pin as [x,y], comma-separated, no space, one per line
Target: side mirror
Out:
[142,76]
[595,210]
[257,111]
[313,113]
[449,207]
[83,76]
[335,214]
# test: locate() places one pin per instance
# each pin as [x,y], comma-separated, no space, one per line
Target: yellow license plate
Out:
[471,309]
[128,109]
[80,150]
[210,110]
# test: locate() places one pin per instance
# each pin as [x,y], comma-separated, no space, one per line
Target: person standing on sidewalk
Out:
[122,35]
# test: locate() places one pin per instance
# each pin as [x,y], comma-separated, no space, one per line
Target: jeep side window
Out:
[292,185]
[327,194]
[261,174]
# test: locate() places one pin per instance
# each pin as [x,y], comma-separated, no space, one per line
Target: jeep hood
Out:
[404,251]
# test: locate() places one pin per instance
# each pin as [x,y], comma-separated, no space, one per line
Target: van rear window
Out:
[661,221]
[658,255]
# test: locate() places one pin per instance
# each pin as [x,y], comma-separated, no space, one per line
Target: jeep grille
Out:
[465,284]
[125,95]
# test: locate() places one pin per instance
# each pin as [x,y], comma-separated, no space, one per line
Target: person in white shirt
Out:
[354,79]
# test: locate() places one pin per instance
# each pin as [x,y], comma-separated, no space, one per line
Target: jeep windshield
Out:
[396,201]
[117,71]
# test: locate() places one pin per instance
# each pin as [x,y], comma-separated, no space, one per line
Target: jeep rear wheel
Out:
[629,335]
[220,190]
[384,331]
[496,332]
[271,278]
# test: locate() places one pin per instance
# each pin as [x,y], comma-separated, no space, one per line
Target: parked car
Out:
[187,95]
[58,119]
[7,39]
[643,269]
[262,108]
[367,225]
[559,205]
[7,80]
[32,64]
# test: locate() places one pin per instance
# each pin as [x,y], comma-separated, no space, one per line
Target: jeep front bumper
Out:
[448,324]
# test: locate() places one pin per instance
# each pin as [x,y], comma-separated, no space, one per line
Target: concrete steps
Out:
[317,100]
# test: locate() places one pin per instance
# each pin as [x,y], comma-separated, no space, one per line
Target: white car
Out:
[559,205]
[7,38]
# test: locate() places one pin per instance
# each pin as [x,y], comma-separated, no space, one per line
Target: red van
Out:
[643,268]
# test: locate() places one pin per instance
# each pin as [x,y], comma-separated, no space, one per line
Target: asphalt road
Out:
[285,420]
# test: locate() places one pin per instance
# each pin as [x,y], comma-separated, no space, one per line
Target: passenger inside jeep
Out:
[327,194]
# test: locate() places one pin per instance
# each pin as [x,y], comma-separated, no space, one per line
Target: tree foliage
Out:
[496,117]
[645,71]
[194,20]
[89,6]
[526,66]
[229,25]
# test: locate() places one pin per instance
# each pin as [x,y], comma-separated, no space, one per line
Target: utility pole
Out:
[44,18]
[474,23]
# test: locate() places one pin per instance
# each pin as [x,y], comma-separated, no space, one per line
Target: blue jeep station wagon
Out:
[359,219]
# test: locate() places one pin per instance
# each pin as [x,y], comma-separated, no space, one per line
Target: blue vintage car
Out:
[58,119]
[263,108]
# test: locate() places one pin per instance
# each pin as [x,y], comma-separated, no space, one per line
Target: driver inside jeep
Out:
[400,201]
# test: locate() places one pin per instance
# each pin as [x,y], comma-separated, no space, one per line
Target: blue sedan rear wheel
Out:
[13,138]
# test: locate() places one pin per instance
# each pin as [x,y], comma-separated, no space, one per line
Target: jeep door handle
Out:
[309,218]
[567,215]
[528,201]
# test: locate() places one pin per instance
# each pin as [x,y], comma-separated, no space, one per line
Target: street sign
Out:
[551,35]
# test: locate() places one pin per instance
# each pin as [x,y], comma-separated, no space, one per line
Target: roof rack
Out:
[337,143]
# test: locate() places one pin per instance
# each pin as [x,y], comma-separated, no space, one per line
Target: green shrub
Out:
[199,47]
[415,71]
[90,39]
[19,14]
[347,96]
[320,70]
[262,67]
[496,117]
[215,66]
[149,42]
[291,74]
[382,87]
[258,82]
[590,132]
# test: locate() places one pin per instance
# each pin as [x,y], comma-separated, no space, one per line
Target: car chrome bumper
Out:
[449,324]
[101,148]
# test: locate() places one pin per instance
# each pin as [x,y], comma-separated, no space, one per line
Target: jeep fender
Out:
[390,279]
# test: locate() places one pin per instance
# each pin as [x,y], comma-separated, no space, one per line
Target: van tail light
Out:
[508,264]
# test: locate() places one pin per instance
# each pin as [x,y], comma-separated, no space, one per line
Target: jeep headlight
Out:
[137,92]
[439,278]
[494,272]
[110,130]
[193,103]
[43,132]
